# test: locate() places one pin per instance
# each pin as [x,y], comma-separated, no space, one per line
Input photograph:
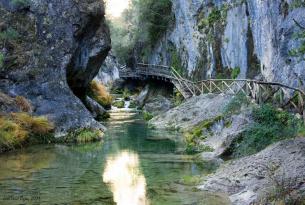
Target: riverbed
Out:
[133,165]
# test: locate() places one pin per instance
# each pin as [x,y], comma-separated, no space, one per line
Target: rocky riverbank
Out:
[50,52]
[214,126]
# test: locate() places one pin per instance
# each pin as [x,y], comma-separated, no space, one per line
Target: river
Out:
[133,165]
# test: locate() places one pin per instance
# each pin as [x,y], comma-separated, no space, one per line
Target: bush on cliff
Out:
[270,125]
[17,129]
[100,94]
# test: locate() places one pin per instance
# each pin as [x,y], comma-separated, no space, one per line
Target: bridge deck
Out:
[281,95]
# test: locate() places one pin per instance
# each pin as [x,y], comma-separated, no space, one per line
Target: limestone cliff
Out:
[211,38]
[51,50]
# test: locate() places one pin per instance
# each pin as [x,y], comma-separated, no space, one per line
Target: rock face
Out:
[220,136]
[109,71]
[158,105]
[269,173]
[214,37]
[192,112]
[58,49]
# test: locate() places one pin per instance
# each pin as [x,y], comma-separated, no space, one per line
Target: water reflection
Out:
[125,179]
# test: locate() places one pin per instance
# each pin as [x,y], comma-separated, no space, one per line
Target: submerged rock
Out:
[276,173]
[58,46]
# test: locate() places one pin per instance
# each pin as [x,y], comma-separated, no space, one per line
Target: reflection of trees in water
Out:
[24,163]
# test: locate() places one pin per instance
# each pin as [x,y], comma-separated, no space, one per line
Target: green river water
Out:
[128,168]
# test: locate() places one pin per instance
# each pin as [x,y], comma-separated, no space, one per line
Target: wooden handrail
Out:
[259,90]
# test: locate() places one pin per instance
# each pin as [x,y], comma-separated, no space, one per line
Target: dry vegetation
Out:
[17,128]
[99,93]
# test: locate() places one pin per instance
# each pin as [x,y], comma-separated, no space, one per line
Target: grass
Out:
[23,104]
[100,94]
[88,135]
[17,129]
[270,125]
[119,104]
[147,116]
[193,136]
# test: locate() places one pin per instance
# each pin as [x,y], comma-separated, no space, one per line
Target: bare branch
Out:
[299,25]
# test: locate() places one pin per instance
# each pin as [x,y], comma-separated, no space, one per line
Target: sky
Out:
[115,8]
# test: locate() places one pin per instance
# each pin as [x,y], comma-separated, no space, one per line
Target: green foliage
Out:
[20,3]
[193,136]
[300,51]
[176,61]
[214,16]
[147,116]
[1,59]
[194,149]
[191,180]
[235,72]
[177,98]
[9,34]
[88,135]
[157,15]
[132,104]
[126,94]
[236,103]
[119,104]
[297,4]
[153,17]
[270,125]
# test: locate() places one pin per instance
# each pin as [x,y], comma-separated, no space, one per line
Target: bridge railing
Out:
[279,94]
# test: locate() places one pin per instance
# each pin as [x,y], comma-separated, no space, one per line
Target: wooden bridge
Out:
[278,94]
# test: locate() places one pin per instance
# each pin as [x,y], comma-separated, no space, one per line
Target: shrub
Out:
[88,135]
[236,103]
[11,134]
[270,126]
[119,104]
[34,125]
[9,34]
[178,98]
[147,116]
[100,94]
[132,104]
[297,4]
[1,59]
[20,3]
[126,94]
[214,16]
[157,16]
[17,128]
[235,72]
[193,136]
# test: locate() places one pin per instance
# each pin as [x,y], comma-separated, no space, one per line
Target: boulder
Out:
[278,172]
[192,112]
[59,49]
